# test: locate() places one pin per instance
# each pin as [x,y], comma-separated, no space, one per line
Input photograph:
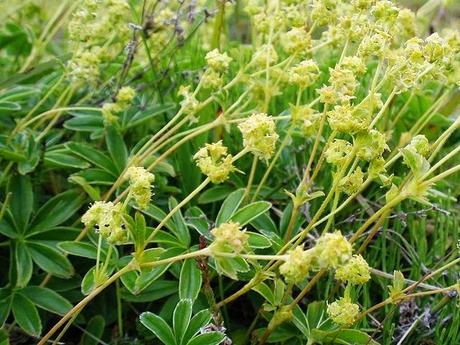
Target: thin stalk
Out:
[78,307]
[272,163]
[384,108]
[177,208]
[251,177]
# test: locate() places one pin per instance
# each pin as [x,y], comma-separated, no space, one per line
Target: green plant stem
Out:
[432,274]
[383,109]
[443,175]
[66,327]
[272,163]
[119,308]
[377,215]
[78,307]
[315,146]
[403,109]
[177,208]
[403,298]
[218,24]
[423,120]
[251,177]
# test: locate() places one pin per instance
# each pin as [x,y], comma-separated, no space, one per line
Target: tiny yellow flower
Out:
[140,182]
[356,271]
[214,161]
[297,265]
[259,135]
[229,237]
[332,250]
[343,311]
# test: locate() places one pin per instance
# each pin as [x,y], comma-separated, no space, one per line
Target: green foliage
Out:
[330,128]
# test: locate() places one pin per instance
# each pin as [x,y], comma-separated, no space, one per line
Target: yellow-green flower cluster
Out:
[218,61]
[228,237]
[370,145]
[356,271]
[338,152]
[297,265]
[297,40]
[214,161]
[343,311]
[352,183]
[107,218]
[93,25]
[305,118]
[348,119]
[122,101]
[189,104]
[259,135]
[218,64]
[332,250]
[140,184]
[304,74]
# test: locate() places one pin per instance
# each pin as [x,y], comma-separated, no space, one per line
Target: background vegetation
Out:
[59,154]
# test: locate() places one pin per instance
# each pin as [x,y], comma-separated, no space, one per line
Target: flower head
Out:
[297,265]
[356,271]
[217,61]
[343,311]
[332,250]
[304,74]
[338,151]
[107,218]
[297,40]
[259,135]
[214,161]
[228,237]
[140,182]
[352,183]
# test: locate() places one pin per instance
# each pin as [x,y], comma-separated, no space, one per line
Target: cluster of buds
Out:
[297,40]
[107,218]
[214,161]
[229,238]
[218,64]
[91,24]
[343,311]
[189,103]
[356,271]
[140,184]
[297,265]
[304,74]
[352,183]
[122,101]
[332,251]
[338,152]
[259,135]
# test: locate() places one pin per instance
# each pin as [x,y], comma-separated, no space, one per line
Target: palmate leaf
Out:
[229,206]
[50,259]
[21,202]
[116,147]
[23,262]
[210,338]
[159,327]
[181,318]
[26,315]
[56,211]
[249,212]
[47,299]
[190,280]
[198,321]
